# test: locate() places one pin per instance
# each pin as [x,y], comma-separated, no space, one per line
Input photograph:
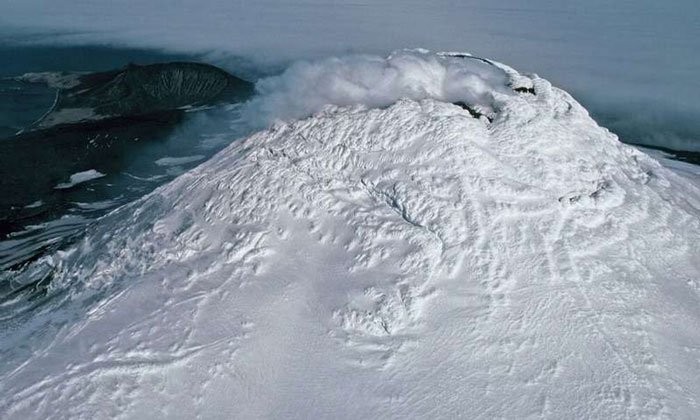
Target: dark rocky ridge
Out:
[142,90]
[101,121]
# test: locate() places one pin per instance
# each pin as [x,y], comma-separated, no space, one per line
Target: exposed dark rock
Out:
[472,111]
[142,90]
[523,89]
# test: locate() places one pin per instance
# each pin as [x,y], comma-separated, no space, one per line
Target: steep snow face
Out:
[409,261]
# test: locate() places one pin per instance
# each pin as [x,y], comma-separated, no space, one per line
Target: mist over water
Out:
[633,63]
[55,182]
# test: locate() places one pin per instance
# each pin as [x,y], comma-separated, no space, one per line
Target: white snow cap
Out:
[374,81]
[405,262]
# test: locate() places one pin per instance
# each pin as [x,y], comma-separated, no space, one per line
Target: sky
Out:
[635,59]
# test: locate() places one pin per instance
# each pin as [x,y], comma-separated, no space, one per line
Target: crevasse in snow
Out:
[388,258]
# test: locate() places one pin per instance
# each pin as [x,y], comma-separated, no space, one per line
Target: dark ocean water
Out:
[633,63]
[125,162]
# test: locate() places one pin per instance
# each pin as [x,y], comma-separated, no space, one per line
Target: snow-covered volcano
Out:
[395,257]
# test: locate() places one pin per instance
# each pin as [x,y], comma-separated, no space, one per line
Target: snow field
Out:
[382,261]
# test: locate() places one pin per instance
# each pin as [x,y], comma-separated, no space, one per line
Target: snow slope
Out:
[404,261]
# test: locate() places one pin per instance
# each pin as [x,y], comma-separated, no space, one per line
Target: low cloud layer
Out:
[641,52]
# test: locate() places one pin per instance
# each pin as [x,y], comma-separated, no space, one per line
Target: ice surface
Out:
[175,161]
[405,261]
[690,170]
[34,205]
[79,178]
[55,80]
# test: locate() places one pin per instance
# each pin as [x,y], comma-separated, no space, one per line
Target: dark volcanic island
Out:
[143,92]
[99,120]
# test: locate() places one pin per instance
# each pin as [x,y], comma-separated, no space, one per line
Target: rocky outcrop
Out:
[143,90]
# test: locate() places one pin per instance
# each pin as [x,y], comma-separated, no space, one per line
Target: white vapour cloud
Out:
[581,45]
[639,53]
[373,81]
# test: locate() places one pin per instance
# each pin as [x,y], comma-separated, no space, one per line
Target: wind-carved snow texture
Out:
[411,261]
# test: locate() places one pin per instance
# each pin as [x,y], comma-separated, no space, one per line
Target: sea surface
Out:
[87,172]
[633,63]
